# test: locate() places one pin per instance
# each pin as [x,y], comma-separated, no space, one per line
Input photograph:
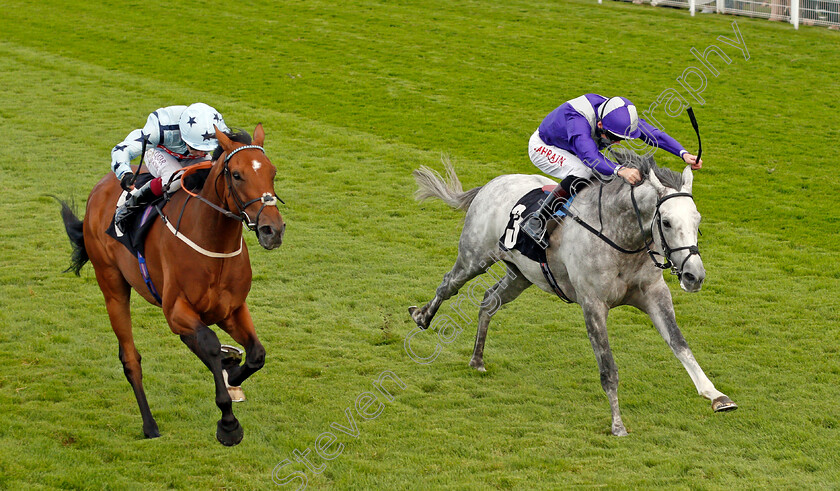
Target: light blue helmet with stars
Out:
[196,125]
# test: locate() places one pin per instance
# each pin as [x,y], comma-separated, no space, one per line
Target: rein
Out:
[177,233]
[267,200]
[657,219]
[666,249]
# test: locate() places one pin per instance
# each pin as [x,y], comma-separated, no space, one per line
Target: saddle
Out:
[513,239]
[137,225]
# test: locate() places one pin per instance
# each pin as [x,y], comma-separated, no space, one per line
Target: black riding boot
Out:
[135,201]
[537,224]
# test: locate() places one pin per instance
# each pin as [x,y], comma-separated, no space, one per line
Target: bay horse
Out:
[598,258]
[201,269]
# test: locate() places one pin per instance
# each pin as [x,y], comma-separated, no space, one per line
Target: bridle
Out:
[667,250]
[267,199]
[657,219]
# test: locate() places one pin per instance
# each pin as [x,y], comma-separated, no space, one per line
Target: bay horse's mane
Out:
[645,163]
[195,181]
[238,135]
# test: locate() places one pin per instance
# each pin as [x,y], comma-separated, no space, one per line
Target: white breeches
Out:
[555,161]
[163,165]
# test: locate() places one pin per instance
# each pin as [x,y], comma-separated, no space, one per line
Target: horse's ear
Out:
[224,141]
[259,135]
[688,179]
[657,185]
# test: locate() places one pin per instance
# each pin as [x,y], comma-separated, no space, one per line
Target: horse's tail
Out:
[73,226]
[432,185]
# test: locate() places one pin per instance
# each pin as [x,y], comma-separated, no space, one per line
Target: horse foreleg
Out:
[117,294]
[240,326]
[596,327]
[506,290]
[205,344]
[464,270]
[659,306]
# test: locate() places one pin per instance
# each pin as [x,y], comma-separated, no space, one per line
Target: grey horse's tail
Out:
[432,185]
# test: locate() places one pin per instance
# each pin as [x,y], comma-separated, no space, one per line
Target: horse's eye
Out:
[666,223]
[237,175]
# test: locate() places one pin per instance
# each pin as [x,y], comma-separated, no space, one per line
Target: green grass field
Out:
[353,97]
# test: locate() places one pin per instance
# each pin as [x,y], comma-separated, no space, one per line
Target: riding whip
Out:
[696,130]
[143,156]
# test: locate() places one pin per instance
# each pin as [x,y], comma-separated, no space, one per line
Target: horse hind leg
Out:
[596,328]
[506,290]
[465,269]
[117,293]
[202,341]
[130,358]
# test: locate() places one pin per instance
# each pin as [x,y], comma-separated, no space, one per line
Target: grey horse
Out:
[597,256]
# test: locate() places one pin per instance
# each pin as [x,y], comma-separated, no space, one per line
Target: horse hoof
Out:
[411,311]
[620,431]
[231,357]
[151,432]
[618,428]
[478,366]
[722,404]
[234,391]
[229,437]
[236,394]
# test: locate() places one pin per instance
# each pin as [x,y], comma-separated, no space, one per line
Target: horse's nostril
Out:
[266,230]
[689,277]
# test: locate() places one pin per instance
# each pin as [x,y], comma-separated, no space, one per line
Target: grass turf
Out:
[353,98]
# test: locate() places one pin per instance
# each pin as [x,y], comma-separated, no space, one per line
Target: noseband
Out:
[267,199]
[666,249]
[657,219]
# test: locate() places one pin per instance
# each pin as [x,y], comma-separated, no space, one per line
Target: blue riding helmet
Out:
[619,117]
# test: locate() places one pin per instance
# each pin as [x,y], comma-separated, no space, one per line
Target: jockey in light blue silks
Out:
[175,136]
[567,143]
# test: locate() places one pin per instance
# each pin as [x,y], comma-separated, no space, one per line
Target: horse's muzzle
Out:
[270,236]
[693,274]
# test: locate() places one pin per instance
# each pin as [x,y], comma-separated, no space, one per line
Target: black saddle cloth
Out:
[513,238]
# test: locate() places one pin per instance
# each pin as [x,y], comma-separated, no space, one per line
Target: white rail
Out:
[797,12]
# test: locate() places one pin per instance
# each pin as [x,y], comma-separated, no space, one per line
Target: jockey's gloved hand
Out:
[126,181]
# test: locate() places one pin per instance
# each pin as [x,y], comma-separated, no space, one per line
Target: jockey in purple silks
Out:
[567,143]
